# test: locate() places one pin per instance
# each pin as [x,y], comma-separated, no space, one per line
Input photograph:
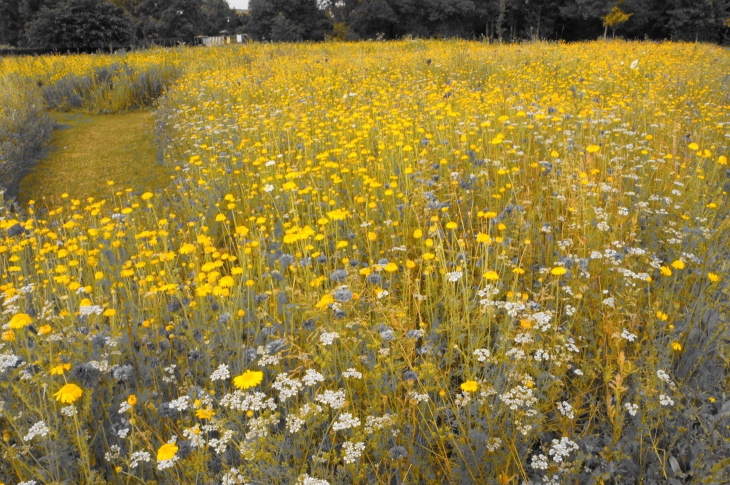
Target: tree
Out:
[373,17]
[219,16]
[83,24]
[169,19]
[698,20]
[613,19]
[288,20]
[10,26]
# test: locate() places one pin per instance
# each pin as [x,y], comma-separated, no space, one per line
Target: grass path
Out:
[87,151]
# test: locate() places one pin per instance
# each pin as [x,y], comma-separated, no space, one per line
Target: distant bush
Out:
[108,89]
[25,130]
[81,24]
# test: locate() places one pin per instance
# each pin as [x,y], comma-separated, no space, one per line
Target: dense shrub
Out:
[25,130]
[109,89]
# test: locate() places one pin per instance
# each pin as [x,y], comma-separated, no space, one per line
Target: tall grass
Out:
[25,130]
[110,89]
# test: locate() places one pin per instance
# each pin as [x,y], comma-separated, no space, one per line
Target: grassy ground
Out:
[90,150]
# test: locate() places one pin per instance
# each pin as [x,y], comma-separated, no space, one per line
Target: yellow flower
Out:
[250,378]
[483,238]
[205,413]
[693,146]
[665,271]
[558,271]
[713,277]
[8,336]
[226,282]
[20,320]
[678,264]
[68,394]
[147,196]
[132,400]
[470,386]
[391,267]
[676,346]
[518,271]
[109,312]
[592,148]
[187,249]
[166,452]
[60,369]
[451,225]
[325,301]
[338,215]
[417,234]
[44,330]
[491,275]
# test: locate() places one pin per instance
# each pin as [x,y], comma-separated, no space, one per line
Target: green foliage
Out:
[698,20]
[25,130]
[110,89]
[81,24]
[156,19]
[287,20]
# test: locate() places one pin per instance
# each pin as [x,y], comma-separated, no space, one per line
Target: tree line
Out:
[103,23]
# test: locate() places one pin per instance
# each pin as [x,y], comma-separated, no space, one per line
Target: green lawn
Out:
[88,151]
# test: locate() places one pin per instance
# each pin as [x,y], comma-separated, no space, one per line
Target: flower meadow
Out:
[402,263]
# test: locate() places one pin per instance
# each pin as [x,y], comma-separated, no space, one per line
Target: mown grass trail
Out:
[88,151]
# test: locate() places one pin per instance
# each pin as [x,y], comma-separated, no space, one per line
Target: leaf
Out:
[675,466]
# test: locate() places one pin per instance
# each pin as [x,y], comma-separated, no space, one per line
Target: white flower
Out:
[494,444]
[233,477]
[352,373]
[268,188]
[221,373]
[7,361]
[634,64]
[328,337]
[663,376]
[307,480]
[180,404]
[566,409]
[631,408]
[418,397]
[665,400]
[628,335]
[137,457]
[91,310]
[353,451]
[482,354]
[454,276]
[38,429]
[334,399]
[345,421]
[539,462]
[287,387]
[68,410]
[312,377]
[561,449]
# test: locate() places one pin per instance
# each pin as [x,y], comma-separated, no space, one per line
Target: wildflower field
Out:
[394,263]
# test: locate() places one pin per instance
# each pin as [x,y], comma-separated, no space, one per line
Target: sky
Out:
[242,4]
